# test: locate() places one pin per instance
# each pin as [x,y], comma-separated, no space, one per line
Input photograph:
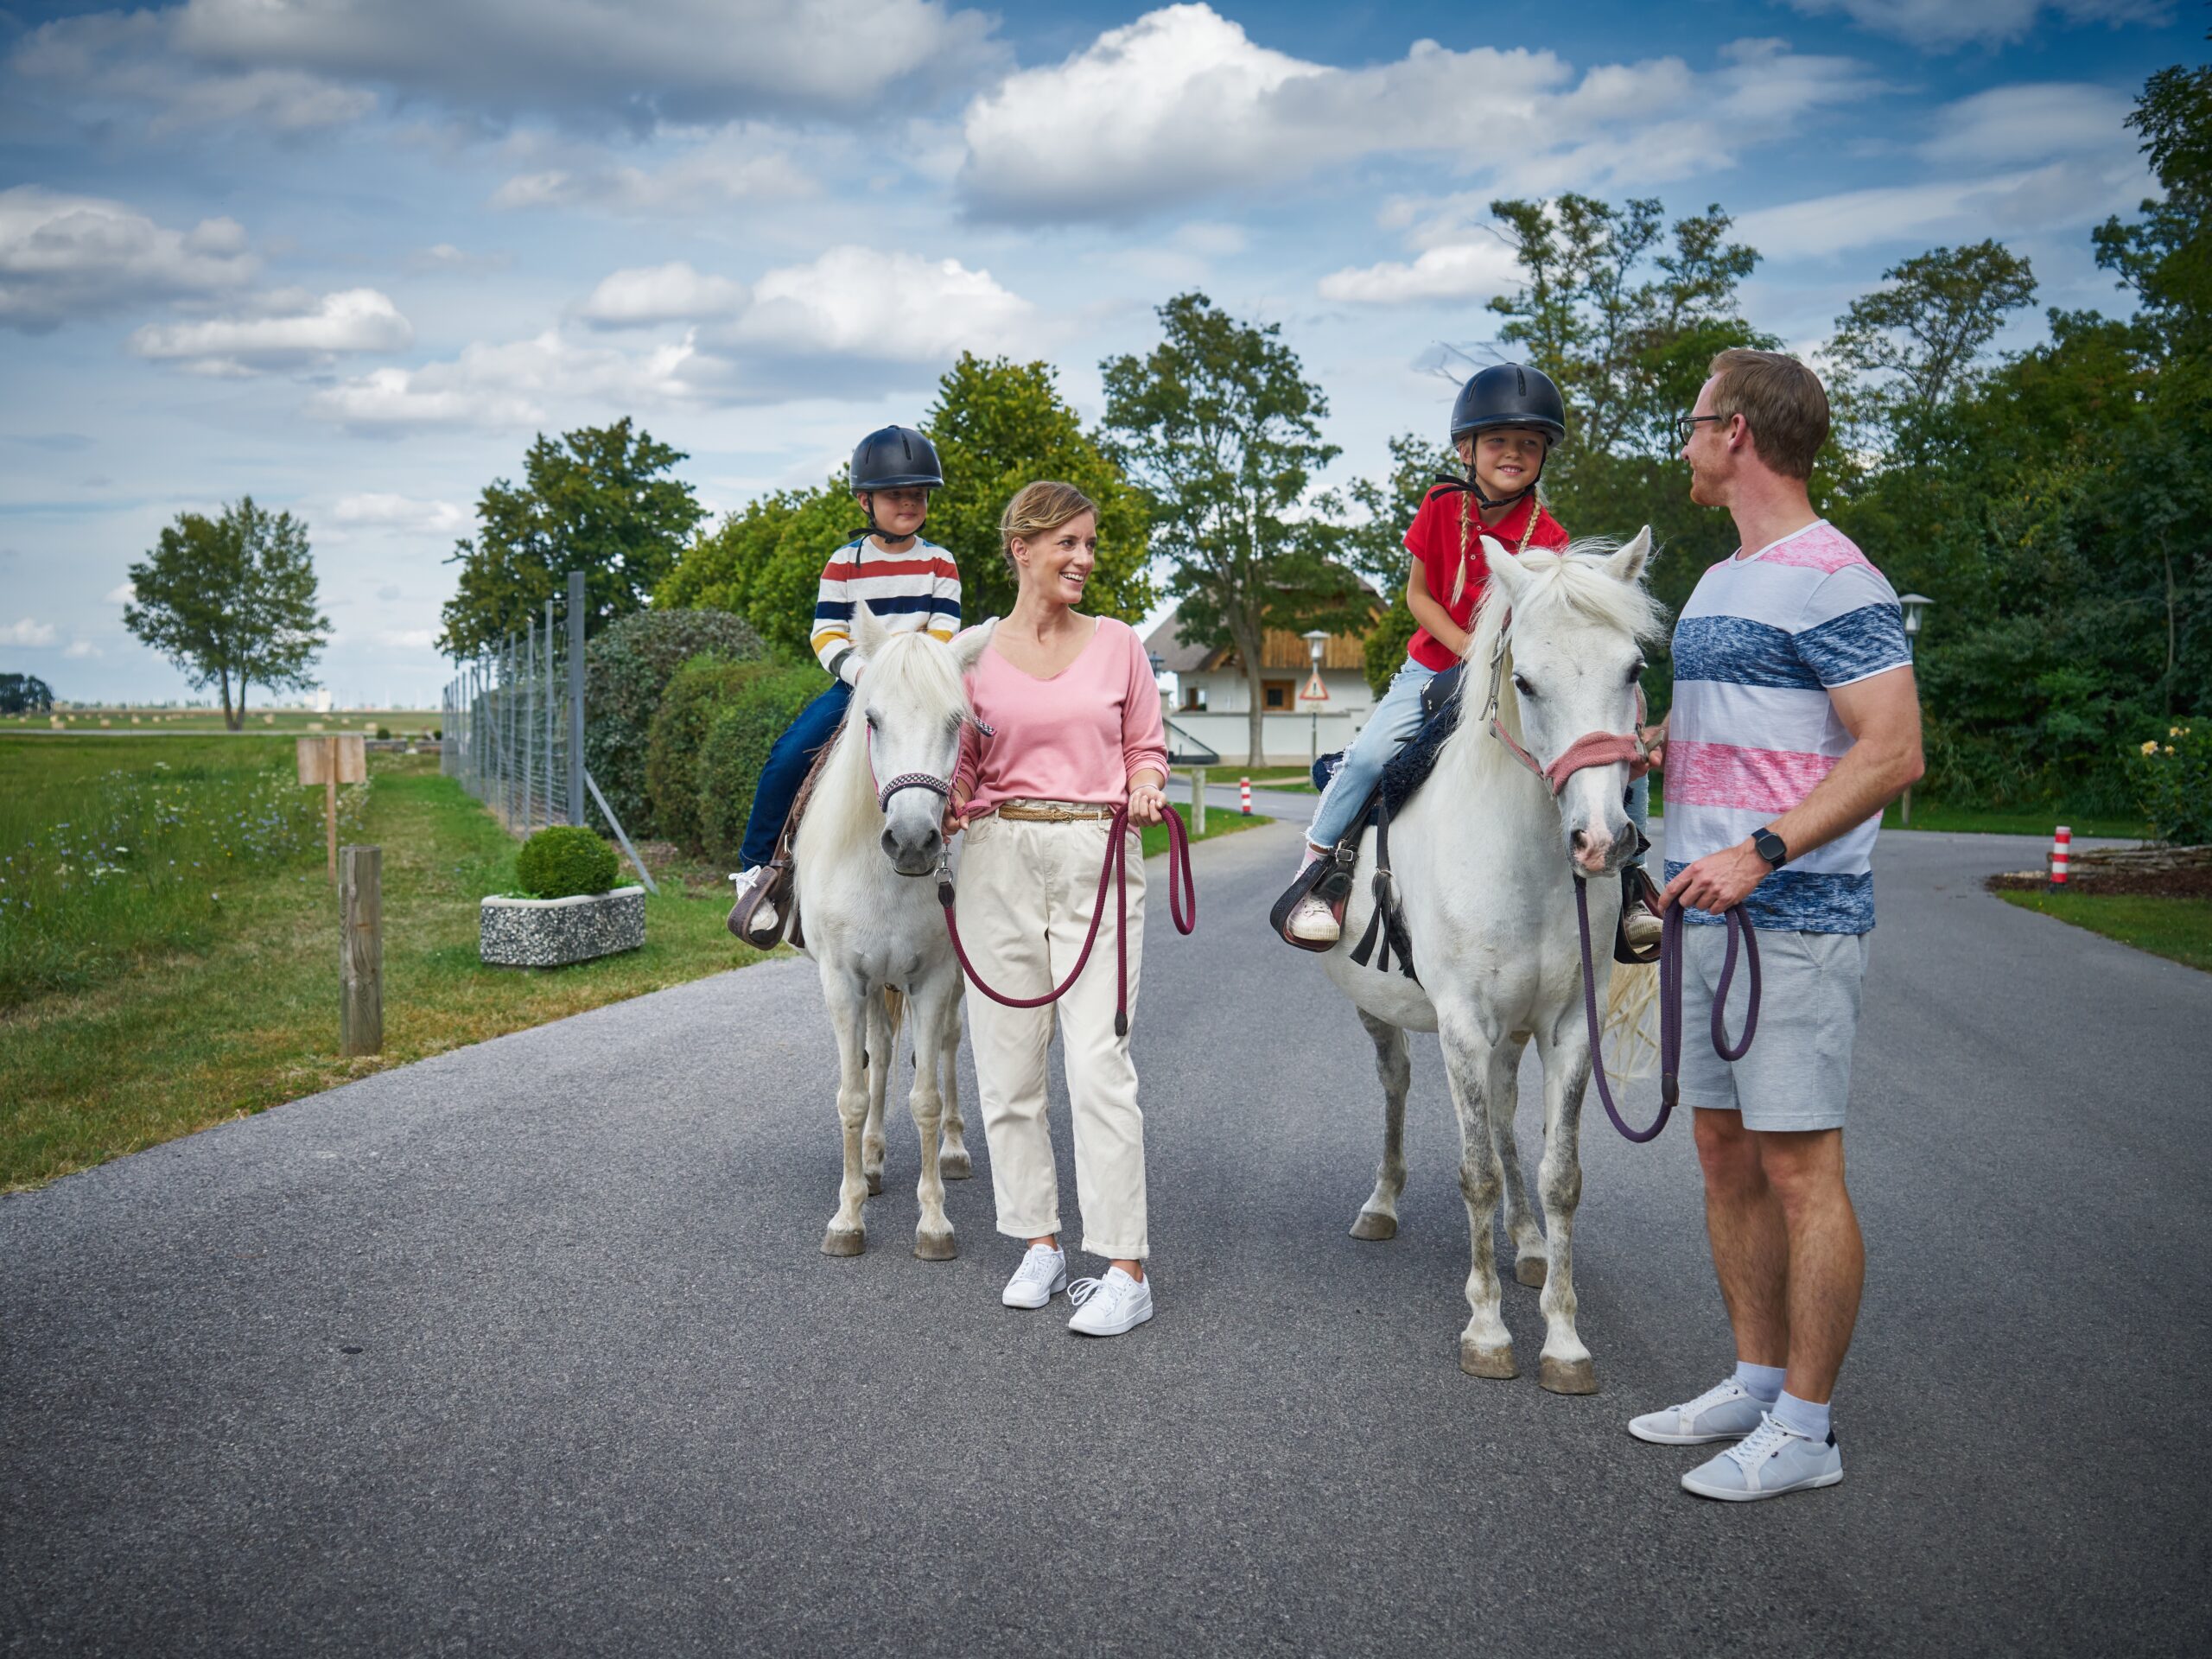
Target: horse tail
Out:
[1631,997]
[894,1012]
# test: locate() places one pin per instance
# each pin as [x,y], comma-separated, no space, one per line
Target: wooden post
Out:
[1197,800]
[360,963]
[330,803]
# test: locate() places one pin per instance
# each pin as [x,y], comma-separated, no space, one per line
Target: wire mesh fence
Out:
[513,722]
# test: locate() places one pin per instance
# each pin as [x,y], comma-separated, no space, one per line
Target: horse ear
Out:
[1627,563]
[868,634]
[967,647]
[1504,568]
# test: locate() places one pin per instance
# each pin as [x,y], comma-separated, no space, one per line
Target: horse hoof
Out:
[1530,1270]
[1568,1376]
[937,1247]
[1374,1226]
[1496,1363]
[845,1240]
[955,1165]
[875,1183]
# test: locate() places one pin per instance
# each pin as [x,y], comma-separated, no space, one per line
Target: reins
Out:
[1606,748]
[1182,904]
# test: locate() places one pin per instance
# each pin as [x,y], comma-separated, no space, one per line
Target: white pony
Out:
[867,847]
[1485,861]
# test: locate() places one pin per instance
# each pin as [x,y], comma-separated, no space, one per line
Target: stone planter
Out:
[549,933]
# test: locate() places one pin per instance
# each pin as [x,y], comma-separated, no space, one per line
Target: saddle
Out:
[1331,877]
[780,891]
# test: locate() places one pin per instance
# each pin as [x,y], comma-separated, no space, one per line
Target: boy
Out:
[907,583]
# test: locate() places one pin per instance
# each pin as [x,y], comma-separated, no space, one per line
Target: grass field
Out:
[1218,823]
[1976,821]
[287,722]
[150,1019]
[2178,929]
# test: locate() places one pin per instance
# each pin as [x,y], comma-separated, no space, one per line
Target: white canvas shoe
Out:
[1726,1411]
[1311,918]
[1109,1306]
[1772,1459]
[1042,1272]
[742,883]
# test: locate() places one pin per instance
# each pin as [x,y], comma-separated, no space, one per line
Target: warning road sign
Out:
[1314,691]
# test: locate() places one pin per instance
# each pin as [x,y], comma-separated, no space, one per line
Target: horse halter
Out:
[1590,749]
[939,786]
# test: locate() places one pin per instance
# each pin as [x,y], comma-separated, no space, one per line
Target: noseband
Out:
[941,787]
[1590,749]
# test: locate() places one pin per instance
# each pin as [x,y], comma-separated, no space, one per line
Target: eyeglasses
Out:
[1686,425]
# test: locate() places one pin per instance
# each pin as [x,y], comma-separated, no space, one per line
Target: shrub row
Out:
[627,671]
[708,741]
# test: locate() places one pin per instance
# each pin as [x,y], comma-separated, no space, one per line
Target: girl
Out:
[1075,717]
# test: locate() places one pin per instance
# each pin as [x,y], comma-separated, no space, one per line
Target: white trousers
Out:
[1025,892]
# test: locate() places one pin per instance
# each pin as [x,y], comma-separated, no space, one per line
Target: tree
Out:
[24,694]
[1909,347]
[598,501]
[231,600]
[1374,545]
[1220,427]
[2167,255]
[764,563]
[998,425]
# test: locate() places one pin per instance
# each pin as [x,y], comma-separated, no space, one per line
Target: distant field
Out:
[169,943]
[402,722]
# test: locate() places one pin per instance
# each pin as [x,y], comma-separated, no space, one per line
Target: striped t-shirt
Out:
[1757,648]
[917,588]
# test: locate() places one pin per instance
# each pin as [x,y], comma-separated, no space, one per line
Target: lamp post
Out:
[1315,638]
[1915,604]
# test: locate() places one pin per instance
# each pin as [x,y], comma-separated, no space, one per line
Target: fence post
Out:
[552,704]
[360,962]
[529,697]
[1197,800]
[576,696]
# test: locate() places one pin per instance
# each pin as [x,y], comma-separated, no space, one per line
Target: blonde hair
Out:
[1781,400]
[1039,507]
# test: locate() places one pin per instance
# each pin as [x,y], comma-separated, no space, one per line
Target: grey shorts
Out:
[1797,1074]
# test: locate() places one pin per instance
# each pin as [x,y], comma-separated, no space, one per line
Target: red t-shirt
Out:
[1433,538]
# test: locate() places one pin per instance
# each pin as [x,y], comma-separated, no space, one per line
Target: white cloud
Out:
[517,384]
[863,303]
[65,256]
[296,331]
[652,294]
[122,593]
[2064,193]
[27,632]
[1461,270]
[743,163]
[444,256]
[409,638]
[403,513]
[1948,24]
[610,63]
[81,648]
[1182,103]
[2032,123]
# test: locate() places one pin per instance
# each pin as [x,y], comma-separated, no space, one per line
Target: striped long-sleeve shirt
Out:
[917,588]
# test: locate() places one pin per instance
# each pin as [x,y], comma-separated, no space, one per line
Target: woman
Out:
[1076,733]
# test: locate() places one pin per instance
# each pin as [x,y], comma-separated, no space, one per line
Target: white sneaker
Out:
[1108,1307]
[1726,1411]
[1042,1272]
[1641,929]
[1772,1459]
[1311,918]
[742,883]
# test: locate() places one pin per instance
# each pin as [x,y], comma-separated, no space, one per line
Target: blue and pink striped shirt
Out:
[918,589]
[1757,648]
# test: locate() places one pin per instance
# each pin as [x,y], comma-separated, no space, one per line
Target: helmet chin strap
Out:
[867,509]
[1474,489]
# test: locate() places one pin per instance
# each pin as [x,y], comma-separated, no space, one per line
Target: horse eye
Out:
[1636,673]
[873,723]
[1521,684]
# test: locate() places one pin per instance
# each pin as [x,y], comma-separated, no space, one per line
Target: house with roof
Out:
[1206,699]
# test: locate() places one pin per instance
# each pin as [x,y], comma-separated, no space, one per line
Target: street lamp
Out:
[1315,638]
[1914,606]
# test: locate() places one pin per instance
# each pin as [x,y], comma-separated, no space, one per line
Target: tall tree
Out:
[1218,424]
[763,562]
[2167,255]
[998,425]
[1374,543]
[232,602]
[24,694]
[600,500]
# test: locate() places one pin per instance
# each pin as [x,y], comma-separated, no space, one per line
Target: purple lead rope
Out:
[1670,1007]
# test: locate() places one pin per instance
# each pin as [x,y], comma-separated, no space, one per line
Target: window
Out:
[1276,695]
[1194,699]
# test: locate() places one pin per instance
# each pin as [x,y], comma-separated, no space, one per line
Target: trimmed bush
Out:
[625,671]
[744,727]
[564,862]
[694,697]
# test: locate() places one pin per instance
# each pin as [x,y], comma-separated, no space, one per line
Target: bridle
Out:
[940,787]
[1605,749]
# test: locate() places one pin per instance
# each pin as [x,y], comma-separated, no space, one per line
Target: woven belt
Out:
[1056,811]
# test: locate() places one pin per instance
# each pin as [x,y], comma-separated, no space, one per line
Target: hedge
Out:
[564,862]
[626,669]
[687,708]
[744,726]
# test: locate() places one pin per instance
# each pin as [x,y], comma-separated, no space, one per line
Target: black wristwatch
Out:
[1770,848]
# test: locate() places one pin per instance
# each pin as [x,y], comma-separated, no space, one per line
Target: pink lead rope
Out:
[1182,906]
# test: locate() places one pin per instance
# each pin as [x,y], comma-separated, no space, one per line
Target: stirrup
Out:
[1637,888]
[1328,879]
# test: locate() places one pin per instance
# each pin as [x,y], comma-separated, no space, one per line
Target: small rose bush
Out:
[2172,773]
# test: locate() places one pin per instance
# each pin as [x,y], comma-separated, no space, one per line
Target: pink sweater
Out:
[1079,736]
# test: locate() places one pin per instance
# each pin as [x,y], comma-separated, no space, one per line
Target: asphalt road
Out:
[529,1350]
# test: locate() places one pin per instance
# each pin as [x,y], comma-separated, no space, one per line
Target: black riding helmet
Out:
[1508,394]
[894,458]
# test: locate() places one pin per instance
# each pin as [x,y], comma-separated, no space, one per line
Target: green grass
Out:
[2178,929]
[290,722]
[179,1018]
[1218,823]
[1980,821]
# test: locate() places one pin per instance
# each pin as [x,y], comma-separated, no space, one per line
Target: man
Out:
[1795,722]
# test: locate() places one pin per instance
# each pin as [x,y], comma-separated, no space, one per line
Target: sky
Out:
[348,256]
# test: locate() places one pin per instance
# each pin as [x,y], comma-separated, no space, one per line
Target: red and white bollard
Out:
[1244,795]
[2061,844]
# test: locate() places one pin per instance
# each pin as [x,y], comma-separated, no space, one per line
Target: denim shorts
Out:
[1797,1074]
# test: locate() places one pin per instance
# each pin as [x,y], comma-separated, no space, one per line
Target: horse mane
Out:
[1575,580]
[909,671]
